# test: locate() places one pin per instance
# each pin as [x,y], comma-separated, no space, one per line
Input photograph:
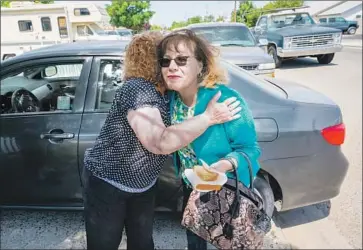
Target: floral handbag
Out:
[231,218]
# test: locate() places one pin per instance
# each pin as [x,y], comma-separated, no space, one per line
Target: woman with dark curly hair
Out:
[121,169]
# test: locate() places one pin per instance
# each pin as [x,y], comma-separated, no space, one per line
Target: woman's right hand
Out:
[226,111]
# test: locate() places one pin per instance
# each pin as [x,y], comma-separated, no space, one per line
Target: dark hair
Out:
[203,52]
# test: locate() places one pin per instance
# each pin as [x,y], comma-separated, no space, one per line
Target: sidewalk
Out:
[352,40]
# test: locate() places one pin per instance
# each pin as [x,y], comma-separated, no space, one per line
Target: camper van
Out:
[31,26]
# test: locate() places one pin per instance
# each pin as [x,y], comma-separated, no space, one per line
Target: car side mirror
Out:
[50,71]
[262,42]
[257,29]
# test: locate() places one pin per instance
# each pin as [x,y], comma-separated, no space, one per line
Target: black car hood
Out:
[302,30]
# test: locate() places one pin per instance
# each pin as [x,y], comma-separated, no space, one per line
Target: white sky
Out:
[169,11]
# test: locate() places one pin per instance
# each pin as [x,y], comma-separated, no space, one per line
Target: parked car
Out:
[293,34]
[238,45]
[346,26]
[54,102]
[125,34]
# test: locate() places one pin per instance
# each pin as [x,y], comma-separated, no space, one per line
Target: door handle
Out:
[56,136]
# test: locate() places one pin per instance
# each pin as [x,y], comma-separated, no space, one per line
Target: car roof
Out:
[82,48]
[214,24]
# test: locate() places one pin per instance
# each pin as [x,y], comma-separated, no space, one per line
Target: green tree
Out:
[156,27]
[277,4]
[209,18]
[44,1]
[130,14]
[5,4]
[176,25]
[247,13]
[220,19]
[195,19]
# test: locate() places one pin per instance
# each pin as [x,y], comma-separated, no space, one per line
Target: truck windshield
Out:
[279,21]
[227,35]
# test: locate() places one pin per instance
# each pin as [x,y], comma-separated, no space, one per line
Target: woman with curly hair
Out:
[121,169]
[192,76]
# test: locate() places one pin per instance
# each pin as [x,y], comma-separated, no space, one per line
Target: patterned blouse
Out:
[188,159]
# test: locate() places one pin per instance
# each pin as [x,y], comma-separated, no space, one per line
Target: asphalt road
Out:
[336,224]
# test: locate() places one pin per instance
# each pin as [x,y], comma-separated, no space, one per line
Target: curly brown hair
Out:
[204,52]
[141,58]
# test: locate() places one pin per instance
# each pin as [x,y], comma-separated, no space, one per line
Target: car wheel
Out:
[352,30]
[325,59]
[273,52]
[264,190]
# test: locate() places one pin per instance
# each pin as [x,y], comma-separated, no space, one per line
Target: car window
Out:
[41,88]
[83,30]
[227,35]
[279,21]
[340,20]
[124,33]
[109,80]
[322,20]
[262,22]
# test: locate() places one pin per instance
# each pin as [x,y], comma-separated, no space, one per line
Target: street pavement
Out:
[336,224]
[330,225]
[352,40]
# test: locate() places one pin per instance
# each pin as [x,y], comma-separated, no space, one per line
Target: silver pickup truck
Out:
[238,45]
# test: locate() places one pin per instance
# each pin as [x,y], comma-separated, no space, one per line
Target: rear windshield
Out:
[245,76]
[226,35]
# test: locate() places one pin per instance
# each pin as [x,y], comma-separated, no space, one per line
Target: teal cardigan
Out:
[225,140]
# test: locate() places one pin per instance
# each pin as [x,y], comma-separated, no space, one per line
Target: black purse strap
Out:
[237,197]
[249,164]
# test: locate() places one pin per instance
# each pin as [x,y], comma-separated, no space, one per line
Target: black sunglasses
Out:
[179,60]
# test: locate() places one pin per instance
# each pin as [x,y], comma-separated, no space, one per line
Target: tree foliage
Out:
[7,3]
[156,27]
[196,19]
[247,13]
[44,1]
[130,14]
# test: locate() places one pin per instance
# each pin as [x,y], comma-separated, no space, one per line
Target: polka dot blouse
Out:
[118,155]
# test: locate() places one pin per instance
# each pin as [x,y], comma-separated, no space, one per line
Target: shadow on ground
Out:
[302,215]
[308,62]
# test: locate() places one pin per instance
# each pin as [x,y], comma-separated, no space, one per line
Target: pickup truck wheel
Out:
[264,190]
[273,52]
[325,59]
[352,30]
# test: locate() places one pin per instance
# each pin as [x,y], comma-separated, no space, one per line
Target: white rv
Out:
[30,26]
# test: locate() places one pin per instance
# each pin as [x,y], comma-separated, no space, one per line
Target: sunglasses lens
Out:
[181,61]
[165,62]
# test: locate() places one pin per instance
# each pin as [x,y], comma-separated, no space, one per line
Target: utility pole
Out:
[235,11]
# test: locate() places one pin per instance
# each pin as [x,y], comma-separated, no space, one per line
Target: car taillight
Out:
[334,135]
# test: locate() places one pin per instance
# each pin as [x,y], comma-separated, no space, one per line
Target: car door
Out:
[341,23]
[105,78]
[38,150]
[261,28]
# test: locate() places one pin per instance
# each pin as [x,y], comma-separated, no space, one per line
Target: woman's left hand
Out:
[222,166]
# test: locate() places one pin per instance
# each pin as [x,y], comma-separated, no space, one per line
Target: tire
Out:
[273,52]
[352,30]
[325,59]
[265,191]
